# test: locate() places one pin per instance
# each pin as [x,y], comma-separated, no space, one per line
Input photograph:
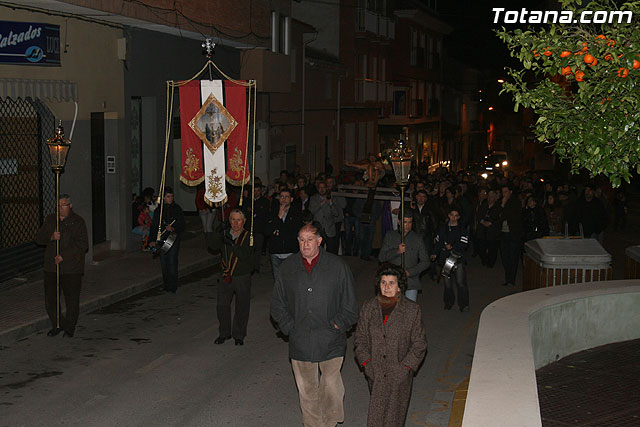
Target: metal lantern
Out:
[58,149]
[401,157]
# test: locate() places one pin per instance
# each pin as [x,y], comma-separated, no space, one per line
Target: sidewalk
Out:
[22,311]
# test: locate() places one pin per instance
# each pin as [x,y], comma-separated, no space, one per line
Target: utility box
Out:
[632,262]
[553,262]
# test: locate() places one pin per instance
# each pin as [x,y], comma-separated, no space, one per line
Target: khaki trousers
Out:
[321,391]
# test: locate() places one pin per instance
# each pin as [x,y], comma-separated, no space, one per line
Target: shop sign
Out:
[29,43]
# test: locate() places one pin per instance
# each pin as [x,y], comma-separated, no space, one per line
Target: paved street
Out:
[150,360]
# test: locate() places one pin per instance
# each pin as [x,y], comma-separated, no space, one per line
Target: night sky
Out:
[473,41]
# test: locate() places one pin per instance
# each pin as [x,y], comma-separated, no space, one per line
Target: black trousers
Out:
[333,244]
[241,287]
[488,251]
[70,285]
[510,247]
[169,264]
[460,277]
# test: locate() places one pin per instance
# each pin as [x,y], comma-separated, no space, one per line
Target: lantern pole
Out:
[58,149]
[401,157]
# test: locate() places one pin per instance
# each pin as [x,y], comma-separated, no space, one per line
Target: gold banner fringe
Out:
[191,182]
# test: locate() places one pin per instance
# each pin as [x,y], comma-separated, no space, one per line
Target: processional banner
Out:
[213,112]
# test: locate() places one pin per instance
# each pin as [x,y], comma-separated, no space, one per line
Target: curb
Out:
[25,330]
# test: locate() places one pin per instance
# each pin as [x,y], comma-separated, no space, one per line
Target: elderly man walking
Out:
[314,302]
[73,245]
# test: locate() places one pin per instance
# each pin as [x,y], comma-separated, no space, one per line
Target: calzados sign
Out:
[29,43]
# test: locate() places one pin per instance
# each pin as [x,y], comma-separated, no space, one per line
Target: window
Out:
[280,33]
[417,48]
[362,66]
[400,102]
[374,68]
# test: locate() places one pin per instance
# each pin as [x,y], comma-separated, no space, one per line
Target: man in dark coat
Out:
[73,245]
[487,231]
[170,219]
[314,303]
[590,212]
[282,230]
[510,224]
[237,264]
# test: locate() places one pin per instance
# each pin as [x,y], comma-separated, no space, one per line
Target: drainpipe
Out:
[304,58]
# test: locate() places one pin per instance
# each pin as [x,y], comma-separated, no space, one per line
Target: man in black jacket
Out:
[314,303]
[73,245]
[170,218]
[453,237]
[511,232]
[590,212]
[282,230]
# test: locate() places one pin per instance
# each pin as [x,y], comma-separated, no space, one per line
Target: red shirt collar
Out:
[309,265]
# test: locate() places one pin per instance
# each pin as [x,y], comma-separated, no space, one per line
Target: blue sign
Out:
[29,43]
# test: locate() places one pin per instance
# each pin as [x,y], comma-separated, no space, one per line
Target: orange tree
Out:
[583,82]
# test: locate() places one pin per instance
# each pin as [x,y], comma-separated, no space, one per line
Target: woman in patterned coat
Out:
[390,343]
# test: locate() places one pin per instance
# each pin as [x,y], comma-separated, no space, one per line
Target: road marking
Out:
[154,364]
[442,406]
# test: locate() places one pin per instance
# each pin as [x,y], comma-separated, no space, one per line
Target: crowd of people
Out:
[307,228]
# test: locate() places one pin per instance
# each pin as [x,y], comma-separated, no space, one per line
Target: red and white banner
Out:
[213,112]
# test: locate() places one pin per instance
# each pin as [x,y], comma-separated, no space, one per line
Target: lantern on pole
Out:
[401,157]
[58,150]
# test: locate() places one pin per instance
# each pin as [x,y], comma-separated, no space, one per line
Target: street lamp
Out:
[58,150]
[401,157]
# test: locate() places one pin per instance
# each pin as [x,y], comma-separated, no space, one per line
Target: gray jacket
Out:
[416,259]
[307,305]
[325,214]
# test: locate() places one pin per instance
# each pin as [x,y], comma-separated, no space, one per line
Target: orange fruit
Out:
[566,71]
[601,36]
[588,58]
[595,62]
[547,53]
[636,64]
[535,53]
[611,42]
[608,57]
[623,72]
[564,54]
[579,75]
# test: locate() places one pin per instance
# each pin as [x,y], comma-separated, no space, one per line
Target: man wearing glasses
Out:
[73,245]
